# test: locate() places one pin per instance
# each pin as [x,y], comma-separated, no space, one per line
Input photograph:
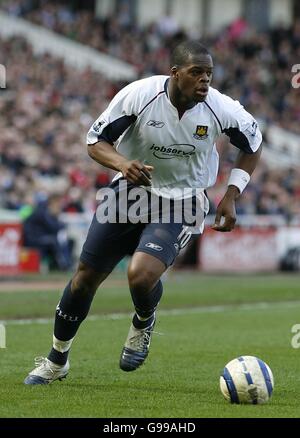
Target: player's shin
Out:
[70,312]
[145,304]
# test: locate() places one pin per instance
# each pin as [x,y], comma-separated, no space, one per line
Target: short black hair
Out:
[184,51]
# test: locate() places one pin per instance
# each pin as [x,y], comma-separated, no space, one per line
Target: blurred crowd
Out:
[271,191]
[252,67]
[45,114]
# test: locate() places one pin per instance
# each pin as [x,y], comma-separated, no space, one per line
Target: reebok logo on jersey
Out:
[153,246]
[155,124]
[173,151]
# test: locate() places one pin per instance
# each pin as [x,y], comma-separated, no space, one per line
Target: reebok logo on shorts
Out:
[154,246]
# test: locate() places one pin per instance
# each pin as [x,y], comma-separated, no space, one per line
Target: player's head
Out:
[191,69]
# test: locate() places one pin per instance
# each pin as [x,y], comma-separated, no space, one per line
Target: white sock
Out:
[62,346]
[140,318]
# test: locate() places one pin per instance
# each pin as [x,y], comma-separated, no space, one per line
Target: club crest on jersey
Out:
[201,132]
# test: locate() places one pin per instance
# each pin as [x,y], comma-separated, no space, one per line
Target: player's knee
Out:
[142,280]
[86,280]
[80,286]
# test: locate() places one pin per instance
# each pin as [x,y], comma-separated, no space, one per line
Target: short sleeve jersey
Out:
[143,124]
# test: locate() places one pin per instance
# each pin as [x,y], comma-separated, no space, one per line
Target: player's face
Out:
[194,78]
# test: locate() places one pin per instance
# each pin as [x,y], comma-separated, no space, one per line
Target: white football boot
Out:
[136,347]
[46,372]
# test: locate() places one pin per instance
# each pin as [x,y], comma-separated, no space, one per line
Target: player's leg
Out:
[70,312]
[101,252]
[144,274]
[157,249]
[72,309]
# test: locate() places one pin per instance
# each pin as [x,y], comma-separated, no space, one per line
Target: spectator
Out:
[48,110]
[44,232]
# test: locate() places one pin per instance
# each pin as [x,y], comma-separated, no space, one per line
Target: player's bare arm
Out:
[226,207]
[133,170]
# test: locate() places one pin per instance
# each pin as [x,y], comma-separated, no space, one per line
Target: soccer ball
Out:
[247,379]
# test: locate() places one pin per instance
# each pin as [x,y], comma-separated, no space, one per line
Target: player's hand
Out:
[137,173]
[225,209]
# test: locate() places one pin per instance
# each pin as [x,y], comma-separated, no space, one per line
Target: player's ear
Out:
[174,72]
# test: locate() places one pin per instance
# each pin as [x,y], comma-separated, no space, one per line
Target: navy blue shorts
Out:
[108,243]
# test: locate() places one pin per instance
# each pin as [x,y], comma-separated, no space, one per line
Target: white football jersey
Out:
[143,125]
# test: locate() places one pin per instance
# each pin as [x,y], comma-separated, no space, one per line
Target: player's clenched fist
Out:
[137,173]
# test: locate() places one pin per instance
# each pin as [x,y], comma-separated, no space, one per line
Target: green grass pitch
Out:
[204,322]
